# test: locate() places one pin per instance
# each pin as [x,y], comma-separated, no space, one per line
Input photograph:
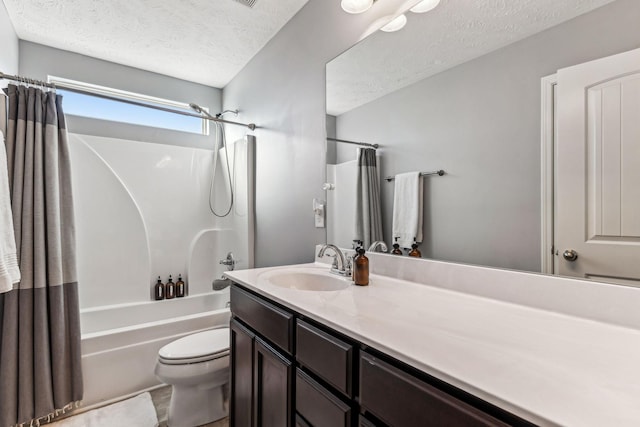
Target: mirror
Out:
[459,89]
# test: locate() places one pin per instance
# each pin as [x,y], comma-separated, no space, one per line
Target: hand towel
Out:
[407,209]
[3,113]
[9,271]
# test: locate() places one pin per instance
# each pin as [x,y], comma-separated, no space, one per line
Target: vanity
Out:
[308,348]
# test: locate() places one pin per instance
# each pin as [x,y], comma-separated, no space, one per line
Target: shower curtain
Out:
[368,211]
[40,370]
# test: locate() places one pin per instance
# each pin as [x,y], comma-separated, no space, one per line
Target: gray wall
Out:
[480,122]
[39,61]
[8,45]
[282,89]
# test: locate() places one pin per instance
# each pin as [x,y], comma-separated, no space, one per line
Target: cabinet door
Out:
[273,376]
[242,341]
[319,406]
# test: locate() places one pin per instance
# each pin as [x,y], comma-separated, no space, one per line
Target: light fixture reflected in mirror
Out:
[396,24]
[425,6]
[356,6]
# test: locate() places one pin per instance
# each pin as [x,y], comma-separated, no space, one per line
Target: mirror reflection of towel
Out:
[9,271]
[3,113]
[407,208]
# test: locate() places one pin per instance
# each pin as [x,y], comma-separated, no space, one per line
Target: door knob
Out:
[570,255]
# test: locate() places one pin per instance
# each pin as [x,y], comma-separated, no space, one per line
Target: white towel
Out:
[407,209]
[9,271]
[3,113]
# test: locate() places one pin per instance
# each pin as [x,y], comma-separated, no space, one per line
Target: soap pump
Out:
[415,252]
[180,287]
[396,248]
[158,290]
[361,269]
[170,289]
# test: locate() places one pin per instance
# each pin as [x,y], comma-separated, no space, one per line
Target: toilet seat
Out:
[196,348]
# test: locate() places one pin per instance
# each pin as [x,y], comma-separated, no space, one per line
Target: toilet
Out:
[197,368]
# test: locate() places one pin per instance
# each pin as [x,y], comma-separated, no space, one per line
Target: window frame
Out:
[90,88]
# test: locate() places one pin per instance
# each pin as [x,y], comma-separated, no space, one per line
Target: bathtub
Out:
[120,343]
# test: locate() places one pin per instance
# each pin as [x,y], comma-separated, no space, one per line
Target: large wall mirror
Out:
[459,88]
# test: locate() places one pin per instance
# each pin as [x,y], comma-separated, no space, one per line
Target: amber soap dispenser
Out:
[396,248]
[361,269]
[170,289]
[158,290]
[415,252]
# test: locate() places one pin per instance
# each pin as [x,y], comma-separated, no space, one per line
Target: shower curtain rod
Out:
[353,142]
[439,173]
[69,88]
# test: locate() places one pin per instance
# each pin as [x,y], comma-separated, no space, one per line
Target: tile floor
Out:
[161,397]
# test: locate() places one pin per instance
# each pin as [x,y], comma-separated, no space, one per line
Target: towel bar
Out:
[439,173]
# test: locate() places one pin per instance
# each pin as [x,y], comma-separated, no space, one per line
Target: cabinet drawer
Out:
[399,399]
[325,355]
[318,405]
[268,320]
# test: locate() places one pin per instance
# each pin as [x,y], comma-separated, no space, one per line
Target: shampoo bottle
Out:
[180,288]
[361,269]
[170,289]
[158,290]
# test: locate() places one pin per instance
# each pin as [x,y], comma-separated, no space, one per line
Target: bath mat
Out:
[135,412]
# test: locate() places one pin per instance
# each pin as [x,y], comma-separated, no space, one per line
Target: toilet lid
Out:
[198,345]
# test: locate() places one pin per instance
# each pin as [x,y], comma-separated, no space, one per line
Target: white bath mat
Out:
[135,412]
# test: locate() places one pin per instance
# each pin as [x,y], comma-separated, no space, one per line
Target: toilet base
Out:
[195,406]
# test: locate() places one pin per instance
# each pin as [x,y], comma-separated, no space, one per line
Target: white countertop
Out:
[549,368]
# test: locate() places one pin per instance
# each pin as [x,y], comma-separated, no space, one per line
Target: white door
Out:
[598,170]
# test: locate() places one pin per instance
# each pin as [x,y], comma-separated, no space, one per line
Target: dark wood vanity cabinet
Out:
[287,370]
[261,369]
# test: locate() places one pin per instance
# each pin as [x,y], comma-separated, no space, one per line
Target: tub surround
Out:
[496,334]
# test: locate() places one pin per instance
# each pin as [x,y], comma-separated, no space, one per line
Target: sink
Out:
[306,280]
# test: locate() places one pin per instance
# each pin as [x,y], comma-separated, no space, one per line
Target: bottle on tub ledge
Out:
[180,287]
[158,290]
[170,289]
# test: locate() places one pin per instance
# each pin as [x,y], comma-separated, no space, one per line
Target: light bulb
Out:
[424,6]
[396,24]
[356,6]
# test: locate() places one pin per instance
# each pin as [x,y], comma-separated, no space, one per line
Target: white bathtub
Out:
[120,343]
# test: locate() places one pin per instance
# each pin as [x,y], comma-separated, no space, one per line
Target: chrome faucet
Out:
[339,262]
[378,243]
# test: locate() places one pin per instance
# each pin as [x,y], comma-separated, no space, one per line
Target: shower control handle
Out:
[229,261]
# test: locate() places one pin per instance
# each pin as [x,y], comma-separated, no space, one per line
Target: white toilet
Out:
[197,368]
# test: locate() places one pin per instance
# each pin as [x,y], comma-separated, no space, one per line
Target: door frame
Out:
[547,171]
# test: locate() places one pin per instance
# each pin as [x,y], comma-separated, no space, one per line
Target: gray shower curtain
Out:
[368,211]
[40,370]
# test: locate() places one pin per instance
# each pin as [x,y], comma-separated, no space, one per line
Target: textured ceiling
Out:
[204,41]
[454,32]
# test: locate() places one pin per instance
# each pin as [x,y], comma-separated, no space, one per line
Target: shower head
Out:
[236,111]
[196,108]
[199,109]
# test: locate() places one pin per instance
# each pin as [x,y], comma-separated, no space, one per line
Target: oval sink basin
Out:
[304,280]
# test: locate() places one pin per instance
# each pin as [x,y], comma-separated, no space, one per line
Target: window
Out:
[85,105]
